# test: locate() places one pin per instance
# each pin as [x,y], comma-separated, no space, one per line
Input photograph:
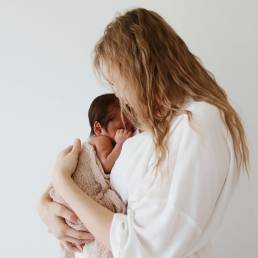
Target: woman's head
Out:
[105,116]
[153,72]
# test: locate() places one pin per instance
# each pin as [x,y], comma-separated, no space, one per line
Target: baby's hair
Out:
[103,109]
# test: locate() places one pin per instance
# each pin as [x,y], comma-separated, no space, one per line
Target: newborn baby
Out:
[96,160]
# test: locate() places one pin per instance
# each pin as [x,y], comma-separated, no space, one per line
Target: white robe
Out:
[178,214]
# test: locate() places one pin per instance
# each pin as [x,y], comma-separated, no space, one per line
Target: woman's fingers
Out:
[70,247]
[65,230]
[62,211]
[82,235]
[80,247]
[75,241]
[76,146]
[67,150]
[78,237]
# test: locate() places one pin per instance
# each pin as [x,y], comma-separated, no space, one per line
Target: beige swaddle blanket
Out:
[91,178]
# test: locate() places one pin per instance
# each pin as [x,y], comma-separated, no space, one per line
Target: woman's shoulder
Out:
[137,141]
[206,124]
[203,109]
[203,114]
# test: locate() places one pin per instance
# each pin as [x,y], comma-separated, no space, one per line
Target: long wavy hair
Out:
[162,73]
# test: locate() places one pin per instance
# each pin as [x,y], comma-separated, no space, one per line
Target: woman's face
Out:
[120,87]
[117,83]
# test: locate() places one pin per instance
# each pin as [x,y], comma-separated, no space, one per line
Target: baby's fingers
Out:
[129,133]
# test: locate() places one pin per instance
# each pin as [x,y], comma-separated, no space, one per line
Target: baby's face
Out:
[117,124]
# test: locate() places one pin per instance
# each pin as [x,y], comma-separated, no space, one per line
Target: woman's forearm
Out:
[95,217]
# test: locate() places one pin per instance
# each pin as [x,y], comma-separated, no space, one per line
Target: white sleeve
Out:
[174,226]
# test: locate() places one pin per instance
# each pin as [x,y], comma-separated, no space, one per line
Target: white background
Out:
[47,84]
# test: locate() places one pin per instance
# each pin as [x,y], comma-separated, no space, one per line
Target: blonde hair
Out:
[162,73]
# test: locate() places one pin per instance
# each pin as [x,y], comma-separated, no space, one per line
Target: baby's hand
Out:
[122,135]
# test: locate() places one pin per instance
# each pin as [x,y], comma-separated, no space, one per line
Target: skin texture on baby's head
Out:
[108,131]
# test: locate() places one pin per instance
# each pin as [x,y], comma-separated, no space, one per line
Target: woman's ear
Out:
[97,128]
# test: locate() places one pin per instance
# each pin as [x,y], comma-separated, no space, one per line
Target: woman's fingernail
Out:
[75,220]
[79,247]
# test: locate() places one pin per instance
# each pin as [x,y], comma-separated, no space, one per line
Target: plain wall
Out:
[47,84]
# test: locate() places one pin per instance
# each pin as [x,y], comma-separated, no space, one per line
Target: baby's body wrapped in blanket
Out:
[91,178]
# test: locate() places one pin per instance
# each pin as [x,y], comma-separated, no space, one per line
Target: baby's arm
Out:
[108,154]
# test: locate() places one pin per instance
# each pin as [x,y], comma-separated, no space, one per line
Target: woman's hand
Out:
[66,163]
[71,247]
[53,215]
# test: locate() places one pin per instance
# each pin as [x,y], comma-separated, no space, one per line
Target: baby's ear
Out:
[97,128]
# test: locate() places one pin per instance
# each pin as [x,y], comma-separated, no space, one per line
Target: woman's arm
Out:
[94,216]
[53,214]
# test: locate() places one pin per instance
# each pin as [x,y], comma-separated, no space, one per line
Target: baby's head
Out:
[105,116]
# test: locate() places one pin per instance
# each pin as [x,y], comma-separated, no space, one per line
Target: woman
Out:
[178,175]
